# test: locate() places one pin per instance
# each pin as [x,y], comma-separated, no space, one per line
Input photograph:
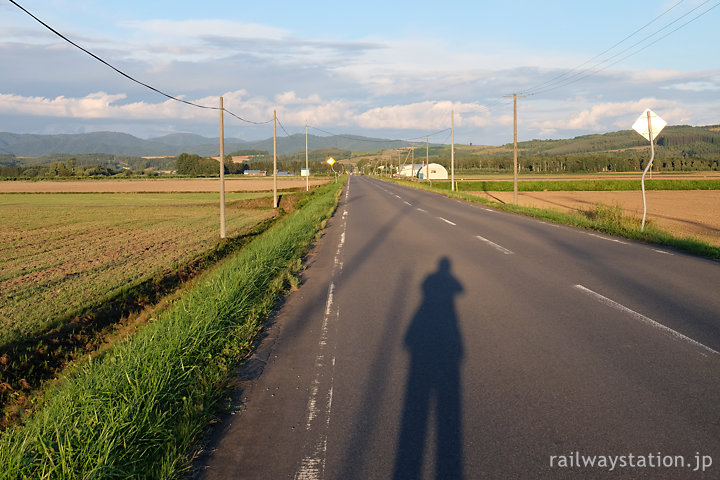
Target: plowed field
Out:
[692,213]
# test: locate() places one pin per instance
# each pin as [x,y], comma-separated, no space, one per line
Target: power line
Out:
[558,77]
[129,77]
[558,82]
[283,128]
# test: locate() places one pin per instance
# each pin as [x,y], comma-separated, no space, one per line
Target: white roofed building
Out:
[436,171]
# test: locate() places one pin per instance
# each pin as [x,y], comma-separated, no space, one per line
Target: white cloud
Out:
[696,86]
[93,106]
[291,109]
[423,115]
[176,29]
[602,117]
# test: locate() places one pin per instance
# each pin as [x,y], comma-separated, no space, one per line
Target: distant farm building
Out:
[437,171]
[255,173]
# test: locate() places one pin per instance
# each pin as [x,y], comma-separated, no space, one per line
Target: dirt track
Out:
[155,185]
[692,213]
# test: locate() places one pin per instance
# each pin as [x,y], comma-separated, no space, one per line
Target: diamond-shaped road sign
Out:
[641,124]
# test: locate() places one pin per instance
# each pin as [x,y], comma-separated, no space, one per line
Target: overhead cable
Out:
[559,81]
[565,74]
[129,77]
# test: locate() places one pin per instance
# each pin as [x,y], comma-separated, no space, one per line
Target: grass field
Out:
[136,410]
[61,254]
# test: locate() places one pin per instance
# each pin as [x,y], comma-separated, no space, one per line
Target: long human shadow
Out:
[433,389]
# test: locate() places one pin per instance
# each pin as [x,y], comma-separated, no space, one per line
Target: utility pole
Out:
[275,195]
[412,149]
[307,168]
[427,157]
[452,150]
[222,171]
[515,163]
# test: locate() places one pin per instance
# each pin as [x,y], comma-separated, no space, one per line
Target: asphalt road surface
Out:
[432,338]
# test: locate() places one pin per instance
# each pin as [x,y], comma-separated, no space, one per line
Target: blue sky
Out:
[387,69]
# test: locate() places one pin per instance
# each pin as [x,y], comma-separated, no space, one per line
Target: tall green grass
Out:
[135,411]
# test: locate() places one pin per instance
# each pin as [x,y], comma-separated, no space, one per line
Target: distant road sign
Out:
[641,124]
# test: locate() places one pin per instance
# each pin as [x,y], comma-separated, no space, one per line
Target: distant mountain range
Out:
[33,145]
[704,140]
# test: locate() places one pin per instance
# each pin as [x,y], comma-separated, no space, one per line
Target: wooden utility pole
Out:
[275,195]
[222,171]
[427,157]
[515,162]
[412,158]
[452,150]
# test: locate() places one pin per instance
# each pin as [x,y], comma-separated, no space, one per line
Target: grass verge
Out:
[602,218]
[135,411]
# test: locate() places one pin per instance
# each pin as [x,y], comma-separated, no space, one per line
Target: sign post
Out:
[649,125]
[331,161]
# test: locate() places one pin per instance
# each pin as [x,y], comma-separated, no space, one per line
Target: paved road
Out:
[436,339]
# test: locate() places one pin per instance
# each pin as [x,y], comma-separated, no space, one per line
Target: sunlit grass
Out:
[135,411]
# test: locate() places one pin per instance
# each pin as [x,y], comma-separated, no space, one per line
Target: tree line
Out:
[195,165]
[69,168]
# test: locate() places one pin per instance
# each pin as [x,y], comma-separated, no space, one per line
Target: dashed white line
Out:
[319,406]
[648,321]
[420,209]
[662,251]
[608,239]
[494,245]
[446,221]
[408,203]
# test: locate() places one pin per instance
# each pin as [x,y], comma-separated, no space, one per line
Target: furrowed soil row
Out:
[66,289]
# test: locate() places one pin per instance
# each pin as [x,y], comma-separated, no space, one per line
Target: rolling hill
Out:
[34,145]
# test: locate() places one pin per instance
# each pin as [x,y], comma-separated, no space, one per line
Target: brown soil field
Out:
[684,213]
[160,185]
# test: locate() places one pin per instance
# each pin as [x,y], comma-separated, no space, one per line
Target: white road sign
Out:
[641,124]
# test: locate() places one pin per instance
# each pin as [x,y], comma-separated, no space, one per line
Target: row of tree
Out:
[70,168]
[197,166]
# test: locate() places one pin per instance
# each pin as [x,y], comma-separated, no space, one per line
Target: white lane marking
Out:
[408,203]
[494,245]
[648,321]
[608,238]
[446,221]
[398,196]
[420,210]
[319,406]
[662,251]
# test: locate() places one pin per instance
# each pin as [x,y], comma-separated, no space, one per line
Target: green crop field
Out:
[61,254]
